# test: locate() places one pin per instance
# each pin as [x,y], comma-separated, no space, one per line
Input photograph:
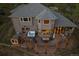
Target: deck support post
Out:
[58,41]
[30,44]
[46,47]
[36,48]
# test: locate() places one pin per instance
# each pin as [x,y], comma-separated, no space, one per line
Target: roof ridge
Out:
[42,12]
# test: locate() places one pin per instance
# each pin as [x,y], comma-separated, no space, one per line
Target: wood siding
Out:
[42,26]
[18,24]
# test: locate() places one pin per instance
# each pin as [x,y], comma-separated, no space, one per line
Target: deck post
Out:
[58,41]
[65,43]
[30,44]
[46,47]
[36,48]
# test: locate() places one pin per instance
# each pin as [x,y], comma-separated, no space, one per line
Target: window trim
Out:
[29,19]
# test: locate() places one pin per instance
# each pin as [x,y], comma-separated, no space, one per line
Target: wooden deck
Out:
[39,46]
[43,51]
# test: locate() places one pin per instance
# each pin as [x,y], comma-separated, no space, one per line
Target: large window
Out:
[43,30]
[46,21]
[25,19]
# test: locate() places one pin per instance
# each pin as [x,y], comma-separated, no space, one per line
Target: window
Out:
[46,21]
[39,21]
[43,30]
[22,28]
[21,19]
[25,19]
[27,28]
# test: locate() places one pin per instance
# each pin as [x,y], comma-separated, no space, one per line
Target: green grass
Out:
[7,51]
[6,30]
[6,27]
[67,52]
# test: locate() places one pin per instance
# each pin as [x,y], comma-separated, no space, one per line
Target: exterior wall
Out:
[27,24]
[34,25]
[16,24]
[42,26]
[48,27]
[52,24]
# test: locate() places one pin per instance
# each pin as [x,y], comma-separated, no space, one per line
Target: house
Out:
[37,17]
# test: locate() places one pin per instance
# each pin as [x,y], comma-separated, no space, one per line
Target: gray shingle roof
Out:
[42,12]
[46,14]
[63,21]
[32,9]
[17,8]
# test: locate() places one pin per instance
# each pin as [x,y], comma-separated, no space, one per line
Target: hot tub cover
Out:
[31,34]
